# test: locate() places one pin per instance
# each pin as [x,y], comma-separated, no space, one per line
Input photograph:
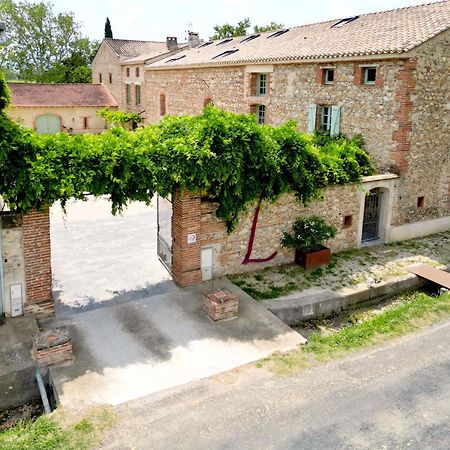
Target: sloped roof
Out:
[142,58]
[64,94]
[126,48]
[389,32]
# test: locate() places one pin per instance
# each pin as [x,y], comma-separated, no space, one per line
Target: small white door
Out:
[206,260]
[48,124]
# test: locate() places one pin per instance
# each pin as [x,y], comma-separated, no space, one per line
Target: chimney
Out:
[193,39]
[172,43]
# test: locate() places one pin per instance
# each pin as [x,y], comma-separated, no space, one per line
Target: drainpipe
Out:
[2,291]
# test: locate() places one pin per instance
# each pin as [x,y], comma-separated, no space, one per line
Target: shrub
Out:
[307,233]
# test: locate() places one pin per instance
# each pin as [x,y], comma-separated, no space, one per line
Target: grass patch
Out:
[47,433]
[411,312]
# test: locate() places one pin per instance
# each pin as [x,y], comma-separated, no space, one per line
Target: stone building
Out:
[69,107]
[384,75]
[119,65]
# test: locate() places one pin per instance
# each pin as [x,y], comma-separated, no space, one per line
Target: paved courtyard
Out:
[131,350]
[100,259]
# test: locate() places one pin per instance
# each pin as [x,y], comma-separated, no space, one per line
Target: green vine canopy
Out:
[227,158]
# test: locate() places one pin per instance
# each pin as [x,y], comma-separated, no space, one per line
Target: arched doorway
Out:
[48,124]
[372,215]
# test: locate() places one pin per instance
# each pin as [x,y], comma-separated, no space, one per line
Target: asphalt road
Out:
[393,397]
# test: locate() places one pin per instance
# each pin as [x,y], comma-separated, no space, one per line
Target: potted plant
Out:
[306,237]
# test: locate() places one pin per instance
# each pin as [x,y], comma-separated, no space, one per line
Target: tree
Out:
[271,27]
[40,45]
[108,29]
[226,30]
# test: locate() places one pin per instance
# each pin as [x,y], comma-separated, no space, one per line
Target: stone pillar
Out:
[37,256]
[187,214]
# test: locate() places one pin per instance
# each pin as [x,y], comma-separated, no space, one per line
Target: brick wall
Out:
[230,250]
[37,257]
[186,256]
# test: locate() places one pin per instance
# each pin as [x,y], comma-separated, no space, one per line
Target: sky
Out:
[151,20]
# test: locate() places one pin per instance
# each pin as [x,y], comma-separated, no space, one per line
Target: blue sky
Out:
[154,20]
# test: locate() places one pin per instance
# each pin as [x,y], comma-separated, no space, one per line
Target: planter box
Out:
[316,257]
[221,305]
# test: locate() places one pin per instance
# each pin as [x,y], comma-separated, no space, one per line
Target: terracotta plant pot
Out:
[314,257]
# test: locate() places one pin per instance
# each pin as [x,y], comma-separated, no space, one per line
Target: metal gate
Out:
[164,238]
[370,231]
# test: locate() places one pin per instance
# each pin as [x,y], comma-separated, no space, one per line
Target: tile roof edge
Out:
[288,60]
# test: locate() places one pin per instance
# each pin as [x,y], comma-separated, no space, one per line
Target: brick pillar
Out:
[406,84]
[187,214]
[37,256]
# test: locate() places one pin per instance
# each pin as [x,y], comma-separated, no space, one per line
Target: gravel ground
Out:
[364,266]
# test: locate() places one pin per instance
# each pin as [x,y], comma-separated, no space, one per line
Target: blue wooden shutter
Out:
[335,120]
[312,115]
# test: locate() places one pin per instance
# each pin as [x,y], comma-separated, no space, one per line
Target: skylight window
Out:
[278,33]
[205,44]
[227,53]
[343,22]
[224,41]
[176,59]
[250,38]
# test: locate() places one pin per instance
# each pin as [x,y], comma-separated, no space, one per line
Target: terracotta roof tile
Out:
[68,94]
[389,32]
[126,48]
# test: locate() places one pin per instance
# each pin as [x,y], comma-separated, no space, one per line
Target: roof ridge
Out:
[134,40]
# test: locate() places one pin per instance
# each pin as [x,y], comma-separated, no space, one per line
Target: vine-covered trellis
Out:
[225,157]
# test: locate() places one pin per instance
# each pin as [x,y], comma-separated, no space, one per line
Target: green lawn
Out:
[48,433]
[413,311]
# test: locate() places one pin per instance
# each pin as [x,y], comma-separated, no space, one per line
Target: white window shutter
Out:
[335,120]
[312,115]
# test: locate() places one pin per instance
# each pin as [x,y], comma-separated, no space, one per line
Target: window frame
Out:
[137,93]
[110,78]
[325,124]
[100,77]
[137,72]
[261,114]
[326,71]
[127,70]
[262,84]
[365,75]
[128,93]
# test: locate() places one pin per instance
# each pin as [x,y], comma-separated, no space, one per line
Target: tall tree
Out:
[271,27]
[39,43]
[108,29]
[241,29]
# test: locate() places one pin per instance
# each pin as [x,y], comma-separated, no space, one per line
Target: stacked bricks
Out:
[37,256]
[400,137]
[52,347]
[221,305]
[187,214]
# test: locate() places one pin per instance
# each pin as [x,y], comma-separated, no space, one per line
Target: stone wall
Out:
[11,238]
[229,251]
[133,77]
[72,118]
[187,91]
[427,170]
[107,62]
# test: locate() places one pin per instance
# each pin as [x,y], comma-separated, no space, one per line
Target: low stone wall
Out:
[339,207]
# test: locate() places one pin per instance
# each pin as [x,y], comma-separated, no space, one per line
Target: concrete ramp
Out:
[437,276]
[131,350]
